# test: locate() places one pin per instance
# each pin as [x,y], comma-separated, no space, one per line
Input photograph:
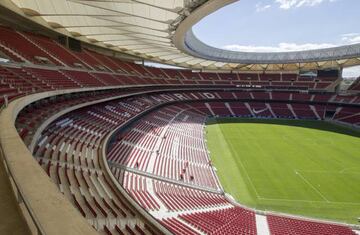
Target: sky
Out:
[283,25]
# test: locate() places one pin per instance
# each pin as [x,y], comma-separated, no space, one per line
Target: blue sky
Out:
[283,25]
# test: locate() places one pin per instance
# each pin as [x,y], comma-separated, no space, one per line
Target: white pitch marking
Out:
[310,201]
[312,186]
[247,175]
[349,168]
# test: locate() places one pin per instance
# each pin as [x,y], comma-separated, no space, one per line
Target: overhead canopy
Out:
[154,30]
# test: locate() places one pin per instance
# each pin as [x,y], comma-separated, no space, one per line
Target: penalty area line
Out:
[312,186]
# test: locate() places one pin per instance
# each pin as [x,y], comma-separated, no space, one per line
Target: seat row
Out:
[280,225]
[68,150]
[152,146]
[235,220]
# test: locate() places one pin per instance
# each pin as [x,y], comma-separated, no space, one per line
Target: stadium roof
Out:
[160,31]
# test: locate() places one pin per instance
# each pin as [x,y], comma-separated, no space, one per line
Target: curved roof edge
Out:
[185,40]
[197,48]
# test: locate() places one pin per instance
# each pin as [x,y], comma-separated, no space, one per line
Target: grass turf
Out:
[307,168]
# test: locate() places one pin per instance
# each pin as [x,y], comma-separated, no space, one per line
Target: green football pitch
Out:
[307,168]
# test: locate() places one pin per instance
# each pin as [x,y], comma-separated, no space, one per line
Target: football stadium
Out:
[125,117]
